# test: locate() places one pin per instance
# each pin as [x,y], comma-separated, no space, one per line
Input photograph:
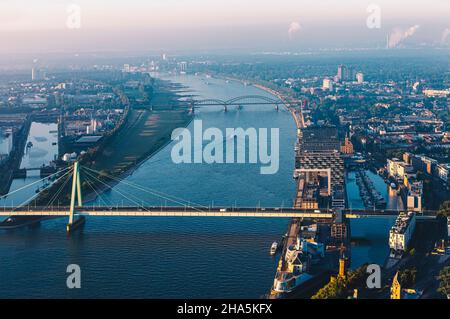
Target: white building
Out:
[183,66]
[69,157]
[443,171]
[398,168]
[436,93]
[414,198]
[359,77]
[401,233]
[327,84]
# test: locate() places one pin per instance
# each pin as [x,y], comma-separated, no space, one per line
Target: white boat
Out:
[286,282]
[273,248]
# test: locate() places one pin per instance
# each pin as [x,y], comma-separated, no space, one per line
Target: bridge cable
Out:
[30,199]
[111,188]
[136,201]
[90,184]
[33,183]
[60,188]
[58,192]
[153,192]
[157,193]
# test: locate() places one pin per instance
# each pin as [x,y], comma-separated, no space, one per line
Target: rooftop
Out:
[89,139]
[402,223]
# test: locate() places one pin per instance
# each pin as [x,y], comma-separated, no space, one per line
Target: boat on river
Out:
[273,248]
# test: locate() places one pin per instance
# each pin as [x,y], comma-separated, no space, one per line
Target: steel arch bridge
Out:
[238,102]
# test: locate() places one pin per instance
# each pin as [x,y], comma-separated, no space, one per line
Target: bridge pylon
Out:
[76,192]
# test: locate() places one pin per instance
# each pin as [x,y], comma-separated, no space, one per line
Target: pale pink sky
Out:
[186,24]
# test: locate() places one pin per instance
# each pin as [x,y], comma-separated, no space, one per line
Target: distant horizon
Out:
[88,26]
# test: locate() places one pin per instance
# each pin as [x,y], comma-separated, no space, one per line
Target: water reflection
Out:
[41,148]
[375,231]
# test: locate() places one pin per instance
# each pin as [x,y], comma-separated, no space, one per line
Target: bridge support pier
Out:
[76,191]
[225,108]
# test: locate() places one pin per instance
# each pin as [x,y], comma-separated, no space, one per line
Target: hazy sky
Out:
[274,25]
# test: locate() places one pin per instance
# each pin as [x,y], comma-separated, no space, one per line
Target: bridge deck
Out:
[168,213]
[196,212]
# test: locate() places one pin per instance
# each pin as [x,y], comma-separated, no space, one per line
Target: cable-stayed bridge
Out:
[132,205]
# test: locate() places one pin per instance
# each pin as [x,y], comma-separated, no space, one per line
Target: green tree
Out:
[407,277]
[444,281]
[339,288]
[444,209]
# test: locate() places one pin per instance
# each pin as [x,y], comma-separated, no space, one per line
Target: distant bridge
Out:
[238,102]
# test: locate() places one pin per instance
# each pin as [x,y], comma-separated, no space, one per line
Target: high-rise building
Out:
[126,68]
[359,77]
[37,74]
[319,161]
[183,66]
[350,75]
[342,73]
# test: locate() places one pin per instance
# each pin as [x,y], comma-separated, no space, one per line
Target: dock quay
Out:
[371,197]
[22,124]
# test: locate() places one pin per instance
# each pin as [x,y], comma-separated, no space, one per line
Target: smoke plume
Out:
[294,27]
[445,38]
[398,35]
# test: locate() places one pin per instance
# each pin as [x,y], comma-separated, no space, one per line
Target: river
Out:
[173,257]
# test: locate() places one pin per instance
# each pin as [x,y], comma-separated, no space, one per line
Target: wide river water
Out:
[145,257]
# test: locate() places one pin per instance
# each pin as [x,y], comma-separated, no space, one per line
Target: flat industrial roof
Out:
[89,139]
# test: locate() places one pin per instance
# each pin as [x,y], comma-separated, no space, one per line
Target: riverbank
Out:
[15,157]
[144,132]
[288,101]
